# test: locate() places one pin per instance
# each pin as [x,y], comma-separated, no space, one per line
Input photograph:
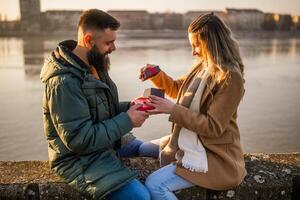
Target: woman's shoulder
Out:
[234,75]
[234,81]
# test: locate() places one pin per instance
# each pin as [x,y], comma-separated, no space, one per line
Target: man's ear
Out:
[87,39]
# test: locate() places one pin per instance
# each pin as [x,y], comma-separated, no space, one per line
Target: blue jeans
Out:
[135,189]
[139,148]
[164,181]
[131,191]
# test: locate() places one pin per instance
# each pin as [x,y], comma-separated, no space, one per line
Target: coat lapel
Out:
[182,91]
[180,99]
[187,93]
[208,90]
[185,97]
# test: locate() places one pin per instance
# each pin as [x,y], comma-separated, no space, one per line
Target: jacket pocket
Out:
[226,138]
[106,164]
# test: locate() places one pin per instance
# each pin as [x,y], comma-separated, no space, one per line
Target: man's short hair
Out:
[95,19]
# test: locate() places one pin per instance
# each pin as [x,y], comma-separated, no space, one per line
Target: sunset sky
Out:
[11,8]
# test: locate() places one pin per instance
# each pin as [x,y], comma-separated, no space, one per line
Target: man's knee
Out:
[131,191]
[141,192]
[148,149]
[145,195]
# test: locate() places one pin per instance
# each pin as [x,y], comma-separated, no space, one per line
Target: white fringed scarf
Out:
[194,158]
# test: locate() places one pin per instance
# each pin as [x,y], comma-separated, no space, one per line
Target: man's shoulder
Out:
[59,72]
[64,80]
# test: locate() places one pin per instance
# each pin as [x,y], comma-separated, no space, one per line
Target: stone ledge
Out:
[270,176]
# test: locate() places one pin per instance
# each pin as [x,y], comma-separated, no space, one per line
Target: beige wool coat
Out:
[215,125]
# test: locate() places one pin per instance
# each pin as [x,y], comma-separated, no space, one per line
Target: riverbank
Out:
[270,176]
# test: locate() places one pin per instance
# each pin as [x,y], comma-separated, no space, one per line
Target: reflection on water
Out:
[29,52]
[268,115]
[33,55]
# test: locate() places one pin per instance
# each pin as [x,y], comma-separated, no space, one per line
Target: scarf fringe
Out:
[194,168]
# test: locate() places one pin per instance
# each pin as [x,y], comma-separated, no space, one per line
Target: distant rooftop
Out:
[128,11]
[63,11]
[242,10]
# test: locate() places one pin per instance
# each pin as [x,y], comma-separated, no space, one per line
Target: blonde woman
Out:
[204,148]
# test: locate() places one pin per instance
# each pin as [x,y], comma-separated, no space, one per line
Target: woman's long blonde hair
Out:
[217,46]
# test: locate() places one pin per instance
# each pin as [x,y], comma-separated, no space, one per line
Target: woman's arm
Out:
[162,81]
[215,121]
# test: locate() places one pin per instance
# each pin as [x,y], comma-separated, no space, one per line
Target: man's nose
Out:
[113,47]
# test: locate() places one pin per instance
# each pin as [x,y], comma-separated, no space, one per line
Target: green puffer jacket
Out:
[83,122]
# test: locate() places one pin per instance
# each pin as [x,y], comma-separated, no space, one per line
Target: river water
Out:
[269,115]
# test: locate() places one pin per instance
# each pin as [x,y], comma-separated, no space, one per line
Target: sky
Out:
[10,8]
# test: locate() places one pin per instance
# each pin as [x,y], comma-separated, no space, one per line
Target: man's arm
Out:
[70,114]
[124,106]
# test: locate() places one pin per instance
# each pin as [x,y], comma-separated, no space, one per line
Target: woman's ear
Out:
[87,38]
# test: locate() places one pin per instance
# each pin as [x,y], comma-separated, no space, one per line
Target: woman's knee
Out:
[150,182]
[153,183]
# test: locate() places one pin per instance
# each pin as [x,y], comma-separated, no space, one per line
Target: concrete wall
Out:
[270,176]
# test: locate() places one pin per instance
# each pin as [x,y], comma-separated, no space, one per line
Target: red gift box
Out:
[150,71]
[143,100]
[154,91]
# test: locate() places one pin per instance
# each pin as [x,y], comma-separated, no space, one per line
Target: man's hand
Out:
[131,103]
[137,117]
[161,105]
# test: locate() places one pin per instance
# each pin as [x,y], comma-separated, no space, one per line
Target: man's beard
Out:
[98,60]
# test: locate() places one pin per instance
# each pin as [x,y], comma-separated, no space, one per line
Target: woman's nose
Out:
[194,52]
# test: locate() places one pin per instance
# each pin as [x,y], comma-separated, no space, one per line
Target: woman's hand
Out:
[148,71]
[161,105]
